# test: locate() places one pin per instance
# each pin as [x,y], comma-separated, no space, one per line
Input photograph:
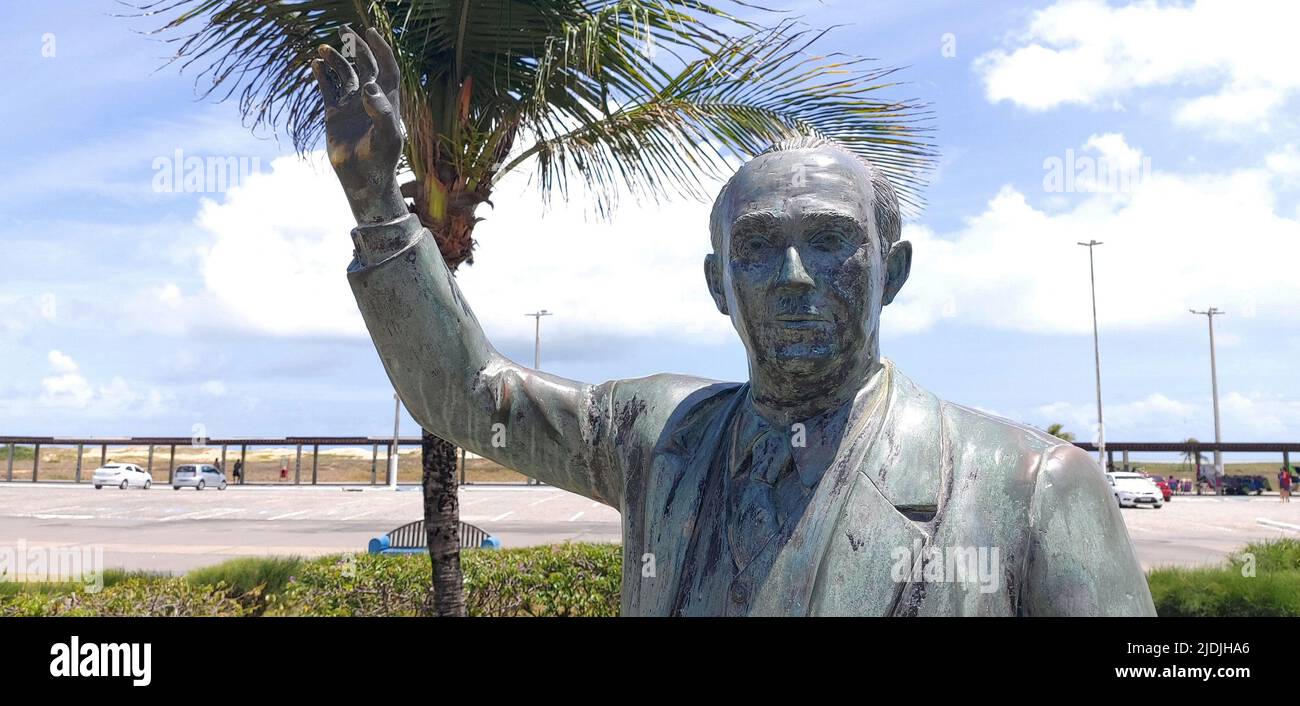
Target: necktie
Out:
[754,519]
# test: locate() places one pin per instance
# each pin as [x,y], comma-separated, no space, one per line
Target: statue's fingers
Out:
[329,93]
[362,59]
[387,128]
[347,78]
[389,73]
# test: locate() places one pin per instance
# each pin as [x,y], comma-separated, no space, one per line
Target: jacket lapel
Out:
[788,587]
[856,547]
[884,529]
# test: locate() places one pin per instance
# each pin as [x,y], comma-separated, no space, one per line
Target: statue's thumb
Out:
[379,110]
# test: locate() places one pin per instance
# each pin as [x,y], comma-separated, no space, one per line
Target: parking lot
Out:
[166,530]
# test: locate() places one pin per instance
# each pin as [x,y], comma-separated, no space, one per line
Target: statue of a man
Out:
[828,484]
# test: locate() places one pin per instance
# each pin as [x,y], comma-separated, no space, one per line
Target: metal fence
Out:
[1191,450]
[304,470]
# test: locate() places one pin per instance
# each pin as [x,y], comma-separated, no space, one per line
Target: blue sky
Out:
[129,311]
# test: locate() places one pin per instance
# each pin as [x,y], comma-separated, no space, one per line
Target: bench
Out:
[411,538]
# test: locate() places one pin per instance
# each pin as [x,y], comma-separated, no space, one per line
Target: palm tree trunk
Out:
[453,232]
[442,525]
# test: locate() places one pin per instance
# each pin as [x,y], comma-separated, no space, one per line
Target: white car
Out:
[198,476]
[1134,489]
[122,475]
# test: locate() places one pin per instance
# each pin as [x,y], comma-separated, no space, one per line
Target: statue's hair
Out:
[889,220]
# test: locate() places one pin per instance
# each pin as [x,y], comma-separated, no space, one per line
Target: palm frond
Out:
[736,100]
[647,96]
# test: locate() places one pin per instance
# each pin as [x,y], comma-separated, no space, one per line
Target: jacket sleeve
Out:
[461,389]
[1080,560]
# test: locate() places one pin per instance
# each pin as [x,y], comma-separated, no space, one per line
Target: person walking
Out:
[238,470]
[1284,483]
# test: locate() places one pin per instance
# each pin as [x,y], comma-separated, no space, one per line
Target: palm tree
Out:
[1058,431]
[648,97]
[1192,457]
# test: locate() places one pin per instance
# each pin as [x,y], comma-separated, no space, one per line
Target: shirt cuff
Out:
[378,242]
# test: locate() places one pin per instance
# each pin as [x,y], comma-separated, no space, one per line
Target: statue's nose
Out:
[793,273]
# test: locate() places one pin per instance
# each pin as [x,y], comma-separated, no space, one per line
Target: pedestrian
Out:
[239,470]
[284,471]
[1284,484]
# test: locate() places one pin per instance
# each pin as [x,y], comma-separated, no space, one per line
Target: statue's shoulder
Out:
[977,443]
[640,410]
[1012,458]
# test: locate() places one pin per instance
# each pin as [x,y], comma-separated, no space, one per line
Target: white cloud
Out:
[279,252]
[20,314]
[68,389]
[1237,57]
[61,362]
[281,245]
[1173,242]
[215,388]
[1245,416]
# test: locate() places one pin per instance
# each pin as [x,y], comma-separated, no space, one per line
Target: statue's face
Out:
[802,274]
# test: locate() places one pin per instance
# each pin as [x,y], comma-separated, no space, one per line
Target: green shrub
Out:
[556,580]
[111,577]
[245,574]
[135,597]
[1273,590]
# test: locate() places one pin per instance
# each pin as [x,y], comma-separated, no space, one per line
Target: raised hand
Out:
[363,131]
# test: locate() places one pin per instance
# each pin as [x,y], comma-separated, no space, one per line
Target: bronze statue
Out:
[828,484]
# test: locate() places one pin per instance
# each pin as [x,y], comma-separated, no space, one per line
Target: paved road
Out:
[1202,530]
[168,530]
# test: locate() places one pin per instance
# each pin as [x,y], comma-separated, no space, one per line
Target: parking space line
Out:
[575,517]
[1278,525]
[287,515]
[502,516]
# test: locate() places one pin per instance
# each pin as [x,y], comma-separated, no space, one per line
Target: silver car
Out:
[198,476]
[121,475]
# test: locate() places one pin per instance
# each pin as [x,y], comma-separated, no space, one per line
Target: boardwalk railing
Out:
[302,470]
[1191,450]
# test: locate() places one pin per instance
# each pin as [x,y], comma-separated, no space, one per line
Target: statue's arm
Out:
[449,377]
[1080,560]
[458,387]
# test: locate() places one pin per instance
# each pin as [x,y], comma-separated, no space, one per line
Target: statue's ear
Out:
[713,275]
[898,264]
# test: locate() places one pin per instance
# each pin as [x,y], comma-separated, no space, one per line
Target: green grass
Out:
[112,577]
[21,453]
[1262,580]
[243,575]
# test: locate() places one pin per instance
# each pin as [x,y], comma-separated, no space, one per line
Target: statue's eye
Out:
[754,244]
[829,240]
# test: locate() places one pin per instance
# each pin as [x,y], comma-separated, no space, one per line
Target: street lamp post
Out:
[1209,315]
[537,346]
[537,337]
[1096,352]
[392,457]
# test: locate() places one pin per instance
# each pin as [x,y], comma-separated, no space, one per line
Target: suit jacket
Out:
[915,482]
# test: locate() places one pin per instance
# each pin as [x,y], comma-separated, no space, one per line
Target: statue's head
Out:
[806,252]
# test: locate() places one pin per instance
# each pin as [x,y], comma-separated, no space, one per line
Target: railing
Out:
[308,473]
[1191,450]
